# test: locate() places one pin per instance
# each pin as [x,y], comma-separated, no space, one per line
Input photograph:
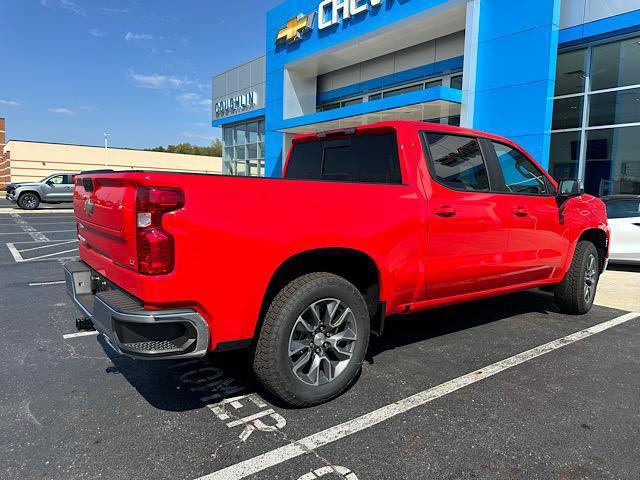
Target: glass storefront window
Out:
[622,106]
[608,86]
[241,135]
[243,152]
[616,64]
[355,101]
[401,91]
[252,132]
[456,82]
[565,151]
[567,113]
[227,136]
[570,73]
[613,161]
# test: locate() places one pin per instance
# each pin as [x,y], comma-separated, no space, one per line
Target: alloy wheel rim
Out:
[322,342]
[30,202]
[590,279]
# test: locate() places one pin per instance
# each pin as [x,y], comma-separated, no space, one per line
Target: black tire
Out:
[29,201]
[271,360]
[576,294]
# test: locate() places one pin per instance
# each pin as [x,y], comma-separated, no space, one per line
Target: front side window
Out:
[57,180]
[457,162]
[361,159]
[623,208]
[520,174]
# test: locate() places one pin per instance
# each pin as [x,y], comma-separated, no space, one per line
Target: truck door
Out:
[54,188]
[67,190]
[529,209]
[466,239]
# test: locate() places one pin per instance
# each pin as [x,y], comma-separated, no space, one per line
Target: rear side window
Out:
[360,159]
[520,174]
[457,162]
[623,208]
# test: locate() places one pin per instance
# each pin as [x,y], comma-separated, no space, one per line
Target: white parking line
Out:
[80,334]
[35,232]
[51,244]
[17,254]
[368,420]
[28,229]
[44,284]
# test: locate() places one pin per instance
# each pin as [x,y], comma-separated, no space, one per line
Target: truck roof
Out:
[402,124]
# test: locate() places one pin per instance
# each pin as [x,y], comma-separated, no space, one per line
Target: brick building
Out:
[4,162]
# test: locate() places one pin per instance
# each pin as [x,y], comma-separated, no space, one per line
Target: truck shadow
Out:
[193,384]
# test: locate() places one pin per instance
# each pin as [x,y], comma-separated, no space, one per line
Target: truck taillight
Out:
[155,246]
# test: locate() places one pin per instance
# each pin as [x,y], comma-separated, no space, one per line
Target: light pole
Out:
[106,149]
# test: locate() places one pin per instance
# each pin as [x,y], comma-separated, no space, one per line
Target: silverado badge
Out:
[89,206]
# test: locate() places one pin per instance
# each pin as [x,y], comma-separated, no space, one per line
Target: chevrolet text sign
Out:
[331,12]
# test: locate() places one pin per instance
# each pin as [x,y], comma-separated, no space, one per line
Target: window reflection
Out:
[613,161]
[571,72]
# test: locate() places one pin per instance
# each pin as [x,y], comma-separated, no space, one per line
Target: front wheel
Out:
[28,201]
[577,292]
[313,340]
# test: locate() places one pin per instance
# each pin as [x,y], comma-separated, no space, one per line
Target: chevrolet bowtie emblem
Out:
[296,28]
[89,206]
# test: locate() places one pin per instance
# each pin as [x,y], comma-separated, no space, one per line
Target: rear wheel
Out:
[28,201]
[577,292]
[313,340]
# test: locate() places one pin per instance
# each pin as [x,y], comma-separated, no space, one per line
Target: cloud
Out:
[199,136]
[114,10]
[10,103]
[96,32]
[74,7]
[87,108]
[159,81]
[62,111]
[140,36]
[193,100]
[44,3]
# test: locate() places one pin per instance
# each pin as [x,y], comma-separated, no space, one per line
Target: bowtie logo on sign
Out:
[295,29]
[331,12]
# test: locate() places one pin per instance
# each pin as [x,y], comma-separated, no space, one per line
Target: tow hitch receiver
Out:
[84,324]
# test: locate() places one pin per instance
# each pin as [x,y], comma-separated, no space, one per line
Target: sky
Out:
[140,70]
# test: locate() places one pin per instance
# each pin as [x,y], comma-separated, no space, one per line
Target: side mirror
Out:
[50,183]
[570,188]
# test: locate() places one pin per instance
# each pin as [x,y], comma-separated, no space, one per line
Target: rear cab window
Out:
[361,158]
[457,162]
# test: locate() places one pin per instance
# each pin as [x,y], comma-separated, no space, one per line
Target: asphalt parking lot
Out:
[502,389]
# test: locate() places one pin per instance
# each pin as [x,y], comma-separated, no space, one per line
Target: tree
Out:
[214,150]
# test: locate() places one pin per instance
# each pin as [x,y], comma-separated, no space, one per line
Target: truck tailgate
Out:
[104,207]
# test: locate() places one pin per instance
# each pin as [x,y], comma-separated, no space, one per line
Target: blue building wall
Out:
[514,52]
[515,71]
[318,40]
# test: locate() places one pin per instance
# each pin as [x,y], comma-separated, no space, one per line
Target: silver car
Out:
[56,188]
[624,219]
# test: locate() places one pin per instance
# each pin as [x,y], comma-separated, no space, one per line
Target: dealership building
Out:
[560,77]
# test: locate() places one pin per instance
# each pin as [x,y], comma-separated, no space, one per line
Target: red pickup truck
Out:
[366,223]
